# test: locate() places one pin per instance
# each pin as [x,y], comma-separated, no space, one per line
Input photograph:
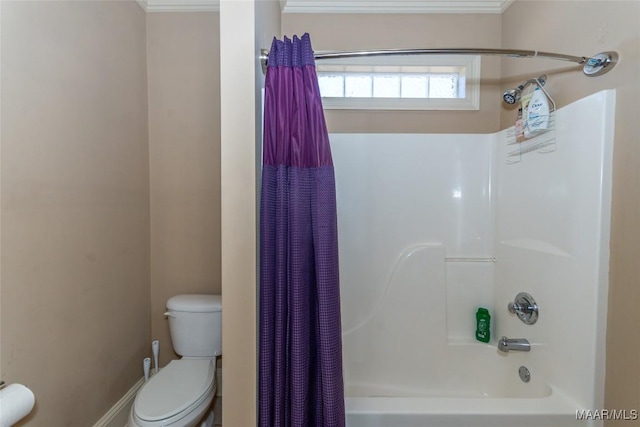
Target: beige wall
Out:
[183,51]
[75,205]
[382,31]
[245,27]
[586,28]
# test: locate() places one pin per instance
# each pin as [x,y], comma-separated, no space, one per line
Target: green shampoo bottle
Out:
[483,325]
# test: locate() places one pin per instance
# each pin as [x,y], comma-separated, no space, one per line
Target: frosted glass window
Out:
[400,82]
[445,86]
[331,85]
[396,85]
[386,86]
[414,86]
[358,86]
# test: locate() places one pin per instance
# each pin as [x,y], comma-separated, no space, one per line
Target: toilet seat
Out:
[175,392]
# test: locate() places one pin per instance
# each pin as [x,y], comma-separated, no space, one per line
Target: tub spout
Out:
[513,344]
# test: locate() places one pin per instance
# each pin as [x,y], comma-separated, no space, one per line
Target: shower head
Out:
[512,96]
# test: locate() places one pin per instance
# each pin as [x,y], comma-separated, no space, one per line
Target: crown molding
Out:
[179,5]
[396,6]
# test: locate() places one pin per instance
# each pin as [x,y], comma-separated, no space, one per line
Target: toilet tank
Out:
[195,325]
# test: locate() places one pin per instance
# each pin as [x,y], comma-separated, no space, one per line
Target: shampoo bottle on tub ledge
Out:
[483,325]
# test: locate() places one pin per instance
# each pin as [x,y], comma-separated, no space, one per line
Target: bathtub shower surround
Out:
[433,227]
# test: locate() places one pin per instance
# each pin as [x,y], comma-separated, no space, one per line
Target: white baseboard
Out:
[118,415]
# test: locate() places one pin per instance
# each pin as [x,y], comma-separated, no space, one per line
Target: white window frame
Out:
[470,64]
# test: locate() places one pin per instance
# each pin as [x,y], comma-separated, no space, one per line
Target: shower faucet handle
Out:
[515,307]
[525,307]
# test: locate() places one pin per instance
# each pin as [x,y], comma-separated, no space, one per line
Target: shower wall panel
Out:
[402,197]
[552,241]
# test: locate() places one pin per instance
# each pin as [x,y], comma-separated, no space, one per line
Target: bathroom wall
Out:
[183,62]
[75,205]
[597,26]
[245,28]
[379,31]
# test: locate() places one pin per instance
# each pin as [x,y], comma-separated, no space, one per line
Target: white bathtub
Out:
[554,410]
[487,392]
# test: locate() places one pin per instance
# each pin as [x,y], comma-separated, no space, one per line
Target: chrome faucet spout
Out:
[513,344]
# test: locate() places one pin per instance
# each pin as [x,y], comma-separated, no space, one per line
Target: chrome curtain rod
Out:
[592,66]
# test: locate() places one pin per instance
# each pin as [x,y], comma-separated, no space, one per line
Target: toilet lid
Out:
[176,387]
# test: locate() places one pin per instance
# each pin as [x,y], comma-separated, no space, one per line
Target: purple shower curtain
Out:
[300,372]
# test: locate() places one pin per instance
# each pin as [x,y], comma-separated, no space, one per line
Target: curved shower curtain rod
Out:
[592,66]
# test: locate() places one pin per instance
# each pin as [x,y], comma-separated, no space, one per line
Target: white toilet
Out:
[181,393]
